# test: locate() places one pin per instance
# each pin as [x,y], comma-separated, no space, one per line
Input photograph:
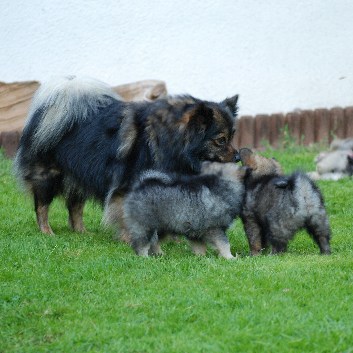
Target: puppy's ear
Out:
[245,155]
[232,104]
[280,182]
[199,115]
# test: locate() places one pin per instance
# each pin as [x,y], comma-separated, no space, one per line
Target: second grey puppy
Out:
[200,207]
[276,206]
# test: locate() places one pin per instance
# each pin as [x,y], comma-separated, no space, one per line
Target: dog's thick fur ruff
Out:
[277,206]
[81,140]
[200,207]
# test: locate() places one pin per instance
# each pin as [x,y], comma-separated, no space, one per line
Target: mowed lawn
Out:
[87,293]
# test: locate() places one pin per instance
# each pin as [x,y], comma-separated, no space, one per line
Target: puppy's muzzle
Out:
[236,157]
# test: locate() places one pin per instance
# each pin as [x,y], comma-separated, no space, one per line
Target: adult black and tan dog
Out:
[81,140]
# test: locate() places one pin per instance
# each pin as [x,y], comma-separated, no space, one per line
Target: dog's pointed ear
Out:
[232,104]
[280,182]
[199,115]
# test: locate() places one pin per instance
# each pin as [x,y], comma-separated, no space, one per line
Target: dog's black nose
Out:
[236,157]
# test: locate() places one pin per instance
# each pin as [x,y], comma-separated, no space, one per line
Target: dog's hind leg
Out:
[219,241]
[114,215]
[253,232]
[75,205]
[42,210]
[44,192]
[318,227]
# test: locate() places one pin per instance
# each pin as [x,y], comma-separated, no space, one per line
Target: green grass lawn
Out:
[87,293]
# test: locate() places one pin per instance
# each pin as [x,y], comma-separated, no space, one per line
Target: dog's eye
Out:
[220,141]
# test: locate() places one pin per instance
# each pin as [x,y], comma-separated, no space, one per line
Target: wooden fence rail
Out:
[302,127]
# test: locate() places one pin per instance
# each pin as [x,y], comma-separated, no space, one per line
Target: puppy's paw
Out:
[229,257]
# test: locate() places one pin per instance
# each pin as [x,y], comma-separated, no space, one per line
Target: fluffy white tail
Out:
[61,102]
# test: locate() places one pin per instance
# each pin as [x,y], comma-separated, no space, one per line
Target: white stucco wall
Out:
[278,55]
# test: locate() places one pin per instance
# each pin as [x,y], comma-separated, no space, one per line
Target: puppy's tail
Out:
[59,104]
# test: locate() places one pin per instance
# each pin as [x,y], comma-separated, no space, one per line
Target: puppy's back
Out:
[295,193]
[306,193]
[181,203]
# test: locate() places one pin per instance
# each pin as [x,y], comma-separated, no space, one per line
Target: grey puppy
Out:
[335,164]
[200,207]
[277,206]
